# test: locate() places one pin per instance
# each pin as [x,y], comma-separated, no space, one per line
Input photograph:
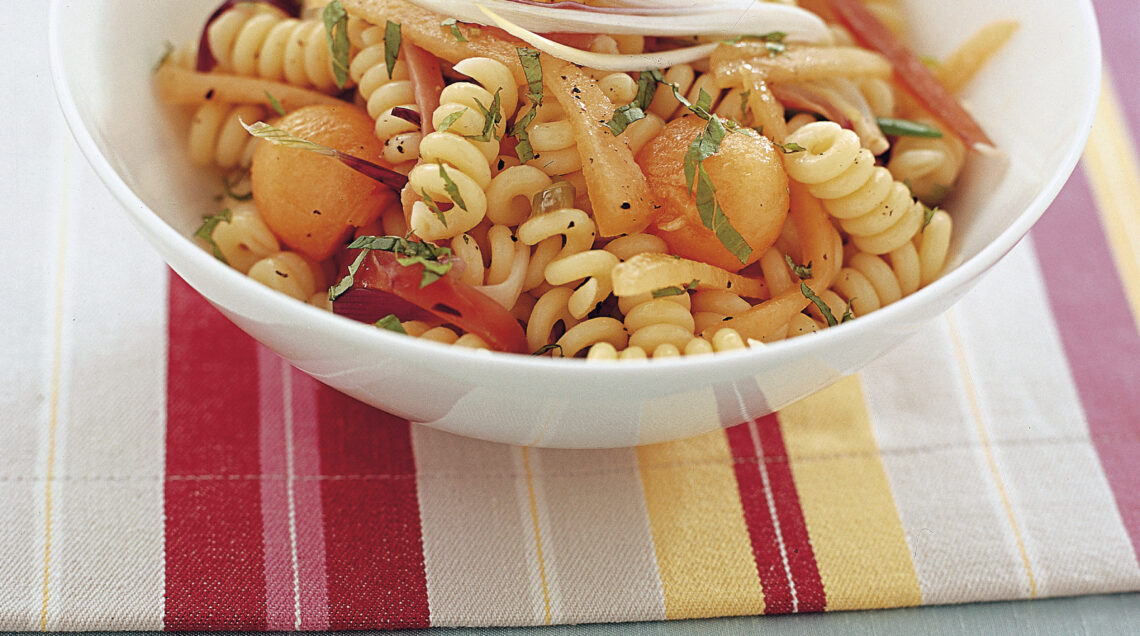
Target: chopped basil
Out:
[274,104]
[927,215]
[646,89]
[391,45]
[773,42]
[801,271]
[206,231]
[452,189]
[436,260]
[167,50]
[336,33]
[789,148]
[449,120]
[391,323]
[229,183]
[434,207]
[906,128]
[847,313]
[548,348]
[454,25]
[744,97]
[532,69]
[491,118]
[674,290]
[818,302]
[713,218]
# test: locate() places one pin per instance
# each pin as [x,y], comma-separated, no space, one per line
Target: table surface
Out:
[38,138]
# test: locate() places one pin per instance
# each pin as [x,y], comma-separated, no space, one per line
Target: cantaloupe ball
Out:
[310,201]
[750,182]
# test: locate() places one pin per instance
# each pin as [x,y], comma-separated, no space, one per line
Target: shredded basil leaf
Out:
[454,25]
[847,313]
[391,323]
[452,189]
[744,97]
[167,51]
[228,184]
[449,120]
[336,34]
[801,271]
[206,231]
[906,128]
[436,260]
[927,215]
[789,148]
[532,69]
[391,45]
[274,104]
[434,207]
[491,118]
[712,216]
[549,348]
[675,290]
[818,302]
[646,89]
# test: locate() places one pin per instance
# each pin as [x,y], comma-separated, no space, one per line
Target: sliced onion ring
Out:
[722,18]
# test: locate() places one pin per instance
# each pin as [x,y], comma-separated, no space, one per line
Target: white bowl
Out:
[1038,109]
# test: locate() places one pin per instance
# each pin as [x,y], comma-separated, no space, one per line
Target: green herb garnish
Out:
[454,25]
[491,118]
[532,69]
[391,45]
[167,51]
[336,34]
[674,290]
[451,188]
[449,120]
[801,271]
[773,42]
[434,207]
[927,215]
[646,89]
[391,323]
[436,260]
[907,128]
[206,231]
[228,185]
[274,104]
[789,148]
[818,302]
[548,348]
[847,313]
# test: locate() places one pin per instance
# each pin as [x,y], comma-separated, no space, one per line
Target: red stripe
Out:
[373,542]
[781,546]
[215,573]
[1099,334]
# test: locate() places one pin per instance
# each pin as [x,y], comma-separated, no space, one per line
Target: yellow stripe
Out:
[972,396]
[537,533]
[859,543]
[1112,168]
[56,372]
[704,553]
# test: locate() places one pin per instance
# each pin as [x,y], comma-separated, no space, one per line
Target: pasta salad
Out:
[607,179]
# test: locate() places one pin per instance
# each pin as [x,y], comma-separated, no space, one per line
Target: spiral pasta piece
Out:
[455,166]
[256,40]
[383,92]
[291,274]
[217,137]
[576,261]
[875,210]
[929,166]
[244,239]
